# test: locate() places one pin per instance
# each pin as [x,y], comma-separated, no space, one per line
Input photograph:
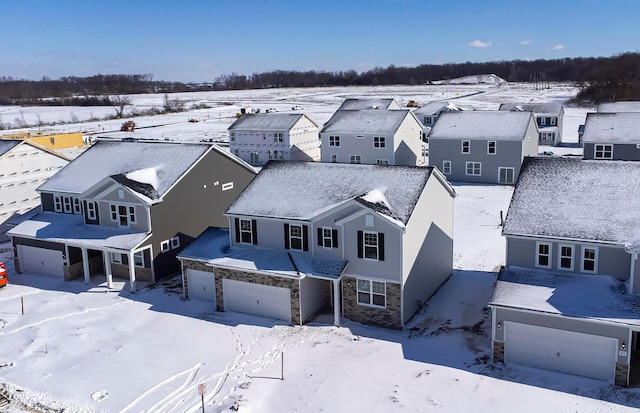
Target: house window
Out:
[91,211]
[547,136]
[278,137]
[276,155]
[295,237]
[232,136]
[379,141]
[57,203]
[553,121]
[446,167]
[334,140]
[334,158]
[543,121]
[77,206]
[603,151]
[359,136]
[427,120]
[254,158]
[116,258]
[67,204]
[355,159]
[370,245]
[138,259]
[246,231]
[505,175]
[466,146]
[589,259]
[473,168]
[165,246]
[327,237]
[384,162]
[565,257]
[372,293]
[175,242]
[543,258]
[123,214]
[491,147]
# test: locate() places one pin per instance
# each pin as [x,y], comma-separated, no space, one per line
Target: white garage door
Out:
[559,350]
[40,261]
[201,285]
[256,299]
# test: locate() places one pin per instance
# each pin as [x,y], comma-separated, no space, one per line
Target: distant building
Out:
[370,103]
[50,140]
[548,116]
[612,136]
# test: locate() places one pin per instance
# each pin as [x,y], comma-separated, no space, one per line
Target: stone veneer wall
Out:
[388,317]
[622,375]
[122,271]
[498,352]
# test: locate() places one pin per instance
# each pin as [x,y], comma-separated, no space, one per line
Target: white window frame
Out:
[77,206]
[116,257]
[506,168]
[296,237]
[334,140]
[465,147]
[602,147]
[355,159]
[384,162]
[327,240]
[369,289]
[543,121]
[232,136]
[473,165]
[489,147]
[278,137]
[583,259]
[92,210]
[379,142]
[334,158]
[138,259]
[367,244]
[57,203]
[175,242]
[246,230]
[553,121]
[549,255]
[561,257]
[446,167]
[165,246]
[67,204]
[116,215]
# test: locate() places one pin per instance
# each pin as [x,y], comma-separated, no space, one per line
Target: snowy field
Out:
[85,348]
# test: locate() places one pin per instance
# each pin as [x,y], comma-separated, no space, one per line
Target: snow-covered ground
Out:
[84,348]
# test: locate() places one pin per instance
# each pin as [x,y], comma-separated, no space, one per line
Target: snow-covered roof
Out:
[483,125]
[7,144]
[547,108]
[302,190]
[168,161]
[618,107]
[267,122]
[436,107]
[374,103]
[612,127]
[366,121]
[71,230]
[213,247]
[597,297]
[576,199]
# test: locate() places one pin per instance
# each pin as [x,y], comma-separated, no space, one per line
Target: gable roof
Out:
[367,121]
[7,144]
[436,106]
[303,190]
[547,108]
[482,125]
[612,127]
[268,121]
[363,104]
[160,164]
[576,199]
[617,107]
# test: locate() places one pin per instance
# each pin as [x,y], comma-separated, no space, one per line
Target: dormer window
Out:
[124,215]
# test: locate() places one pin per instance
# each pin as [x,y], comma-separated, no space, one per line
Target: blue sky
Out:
[199,40]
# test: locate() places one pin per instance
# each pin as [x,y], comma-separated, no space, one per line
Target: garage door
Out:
[40,261]
[256,299]
[559,350]
[201,285]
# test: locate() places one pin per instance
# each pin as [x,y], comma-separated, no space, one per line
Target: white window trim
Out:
[301,237]
[130,211]
[175,242]
[543,121]
[444,167]
[140,255]
[384,162]
[466,168]
[371,293]
[165,246]
[595,260]
[92,210]
[462,147]
[355,156]
[327,240]
[602,146]
[57,203]
[364,245]
[513,175]
[249,231]
[116,257]
[334,157]
[334,140]
[573,253]
[495,147]
[553,121]
[550,260]
[382,142]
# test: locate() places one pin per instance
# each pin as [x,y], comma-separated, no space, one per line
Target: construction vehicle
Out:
[128,126]
[412,104]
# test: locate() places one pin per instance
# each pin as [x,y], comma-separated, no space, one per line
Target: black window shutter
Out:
[360,242]
[286,236]
[237,225]
[254,231]
[320,237]
[380,246]
[334,237]
[305,238]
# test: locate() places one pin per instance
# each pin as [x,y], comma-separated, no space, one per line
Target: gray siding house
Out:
[386,137]
[612,136]
[370,103]
[125,209]
[567,299]
[549,119]
[482,146]
[428,114]
[258,138]
[370,242]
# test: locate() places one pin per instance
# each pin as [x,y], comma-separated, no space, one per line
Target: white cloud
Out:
[558,47]
[525,42]
[478,43]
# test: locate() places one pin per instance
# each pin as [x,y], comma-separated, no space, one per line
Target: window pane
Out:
[543,260]
[363,285]
[379,300]
[364,298]
[378,287]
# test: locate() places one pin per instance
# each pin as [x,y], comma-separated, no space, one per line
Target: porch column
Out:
[132,273]
[107,268]
[336,303]
[632,273]
[85,266]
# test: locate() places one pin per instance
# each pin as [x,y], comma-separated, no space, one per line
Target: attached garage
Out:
[40,261]
[560,350]
[201,285]
[257,299]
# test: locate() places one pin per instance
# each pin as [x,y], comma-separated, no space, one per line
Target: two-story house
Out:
[567,299]
[549,119]
[482,146]
[612,136]
[368,136]
[124,209]
[428,113]
[24,165]
[258,138]
[371,242]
